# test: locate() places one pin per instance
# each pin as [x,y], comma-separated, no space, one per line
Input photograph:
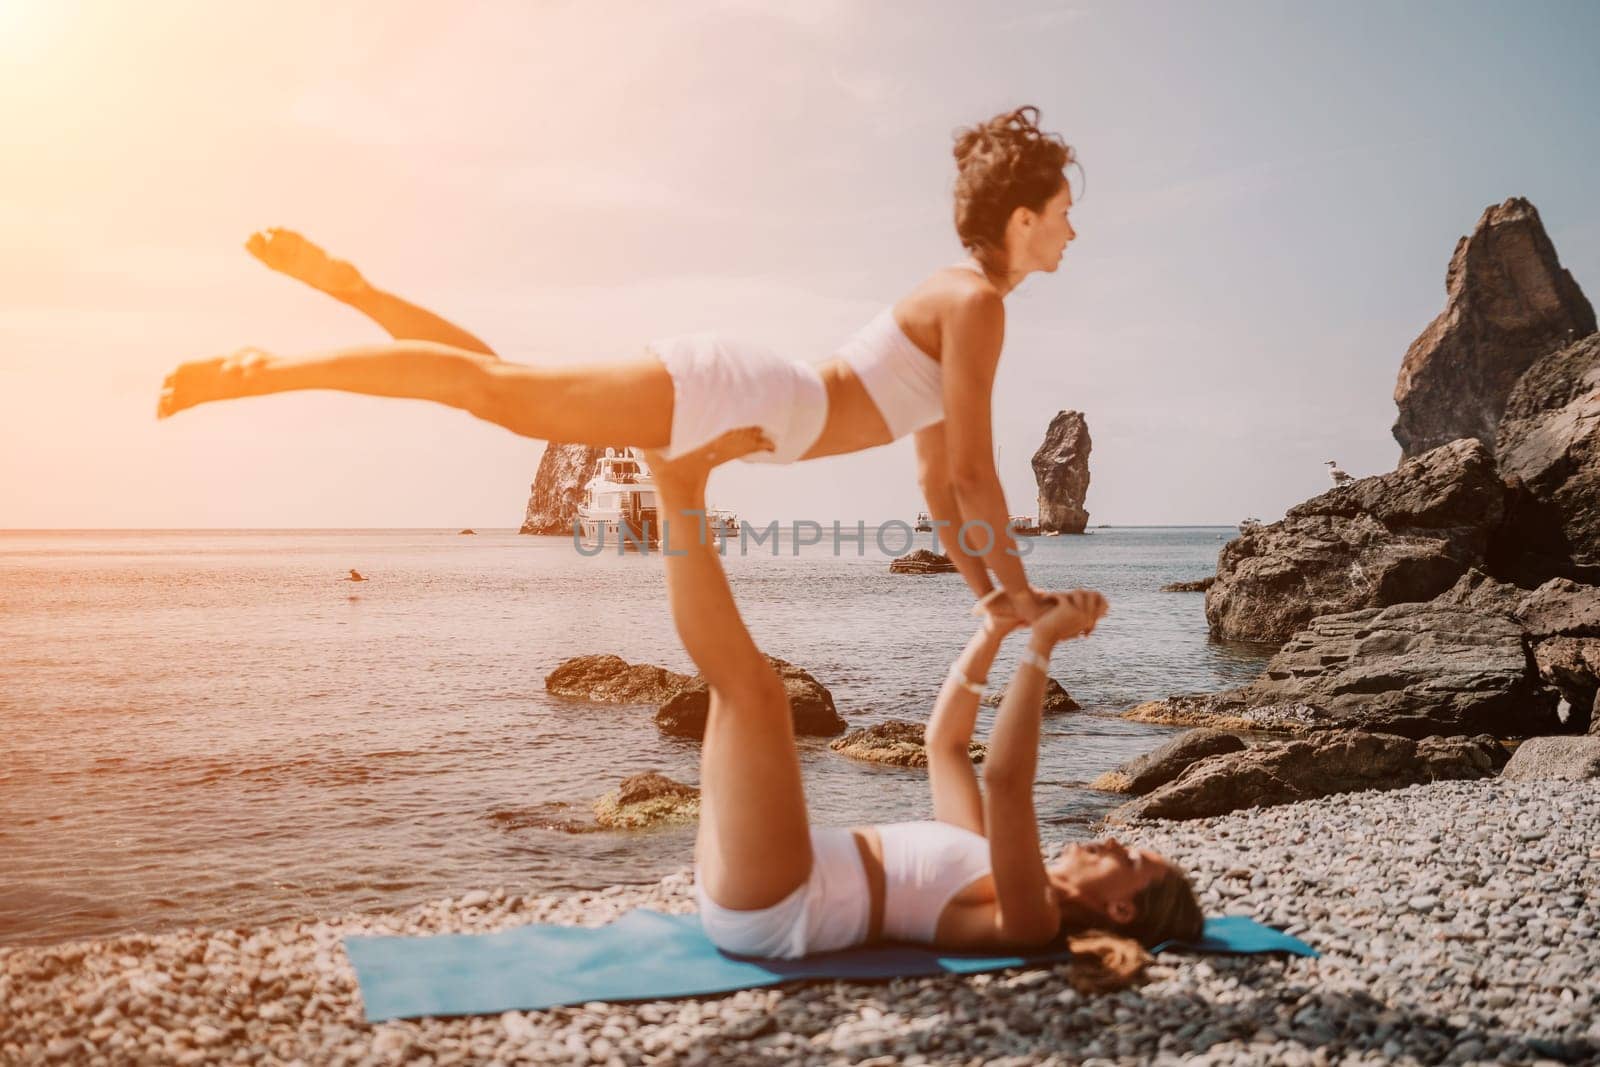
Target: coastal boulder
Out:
[1508,302]
[1560,624]
[1392,538]
[896,742]
[1411,669]
[1572,666]
[922,561]
[1056,698]
[1061,467]
[1417,670]
[646,800]
[557,488]
[1569,758]
[1282,772]
[1156,769]
[810,704]
[1548,447]
[1199,586]
[611,679]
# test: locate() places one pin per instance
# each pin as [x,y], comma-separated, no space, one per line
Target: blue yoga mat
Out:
[646,955]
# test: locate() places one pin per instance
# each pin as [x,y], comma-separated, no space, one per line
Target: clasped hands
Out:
[1057,616]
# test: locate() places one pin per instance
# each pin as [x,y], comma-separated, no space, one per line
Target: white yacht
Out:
[619,504]
[924,522]
[723,523]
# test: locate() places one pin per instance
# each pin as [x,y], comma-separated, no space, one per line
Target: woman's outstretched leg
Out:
[754,846]
[621,403]
[292,254]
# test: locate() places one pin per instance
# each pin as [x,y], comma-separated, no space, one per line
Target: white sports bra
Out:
[905,383]
[925,864]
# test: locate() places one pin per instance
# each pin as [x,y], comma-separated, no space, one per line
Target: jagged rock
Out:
[1412,669]
[648,799]
[1392,538]
[922,561]
[1558,608]
[1230,710]
[557,488]
[1056,698]
[895,742]
[1569,758]
[810,704]
[1190,587]
[1282,772]
[613,680]
[1548,446]
[1509,302]
[552,815]
[1156,769]
[1572,666]
[1061,467]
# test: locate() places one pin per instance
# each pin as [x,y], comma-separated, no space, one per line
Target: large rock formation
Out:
[1061,467]
[1283,772]
[1509,301]
[1412,669]
[810,705]
[896,742]
[1392,538]
[1560,624]
[557,488]
[1549,447]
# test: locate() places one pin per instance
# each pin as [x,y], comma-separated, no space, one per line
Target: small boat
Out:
[619,504]
[924,522]
[1024,526]
[723,523]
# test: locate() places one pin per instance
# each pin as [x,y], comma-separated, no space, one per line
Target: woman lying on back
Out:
[972,878]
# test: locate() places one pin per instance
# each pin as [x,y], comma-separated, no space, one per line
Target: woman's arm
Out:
[956,797]
[973,331]
[933,475]
[1022,887]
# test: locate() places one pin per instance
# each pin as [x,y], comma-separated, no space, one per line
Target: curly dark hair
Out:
[1004,164]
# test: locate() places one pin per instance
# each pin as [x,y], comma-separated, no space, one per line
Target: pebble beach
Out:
[1457,922]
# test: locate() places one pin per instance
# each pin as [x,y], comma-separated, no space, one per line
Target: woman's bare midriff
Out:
[854,421]
[870,845]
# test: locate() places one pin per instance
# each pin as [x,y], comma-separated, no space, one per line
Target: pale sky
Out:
[1273,194]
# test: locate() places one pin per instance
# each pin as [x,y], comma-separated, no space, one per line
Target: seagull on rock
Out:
[1339,477]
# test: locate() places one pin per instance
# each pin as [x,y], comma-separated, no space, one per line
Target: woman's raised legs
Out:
[754,846]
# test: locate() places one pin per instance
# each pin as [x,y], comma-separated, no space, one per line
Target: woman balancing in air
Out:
[770,884]
[924,366]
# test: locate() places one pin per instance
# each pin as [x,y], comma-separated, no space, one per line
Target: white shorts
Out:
[720,384]
[832,910]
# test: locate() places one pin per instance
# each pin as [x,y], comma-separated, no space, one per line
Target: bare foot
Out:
[692,468]
[289,253]
[201,380]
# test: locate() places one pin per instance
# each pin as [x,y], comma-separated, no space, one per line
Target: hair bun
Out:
[1003,163]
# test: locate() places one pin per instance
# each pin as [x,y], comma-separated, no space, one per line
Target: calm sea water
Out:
[211,728]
